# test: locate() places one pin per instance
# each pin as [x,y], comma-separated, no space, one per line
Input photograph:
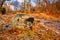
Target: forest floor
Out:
[45,27]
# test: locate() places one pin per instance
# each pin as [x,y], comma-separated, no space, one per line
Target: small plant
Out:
[3,11]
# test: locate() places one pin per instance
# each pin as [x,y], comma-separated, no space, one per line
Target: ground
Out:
[45,27]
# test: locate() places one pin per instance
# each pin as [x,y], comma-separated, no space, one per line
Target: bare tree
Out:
[27,5]
[2,2]
[38,5]
[2,9]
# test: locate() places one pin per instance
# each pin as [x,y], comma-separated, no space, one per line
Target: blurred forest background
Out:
[30,6]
